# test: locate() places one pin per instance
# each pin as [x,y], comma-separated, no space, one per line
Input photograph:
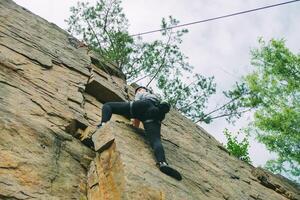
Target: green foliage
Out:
[191,98]
[290,169]
[104,27]
[273,91]
[236,148]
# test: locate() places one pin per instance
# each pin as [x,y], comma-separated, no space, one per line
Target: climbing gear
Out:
[130,104]
[166,169]
[161,164]
[157,112]
[148,121]
[164,107]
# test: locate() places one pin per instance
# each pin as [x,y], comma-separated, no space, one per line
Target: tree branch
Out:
[106,32]
[141,78]
[180,109]
[228,114]
[223,115]
[223,106]
[99,43]
[162,64]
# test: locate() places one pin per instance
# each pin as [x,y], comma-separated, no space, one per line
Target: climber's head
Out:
[141,89]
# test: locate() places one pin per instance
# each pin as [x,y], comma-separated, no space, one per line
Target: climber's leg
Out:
[120,108]
[144,109]
[153,134]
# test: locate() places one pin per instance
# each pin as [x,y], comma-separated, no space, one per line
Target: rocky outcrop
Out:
[51,93]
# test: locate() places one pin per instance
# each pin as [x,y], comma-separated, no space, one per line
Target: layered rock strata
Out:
[51,92]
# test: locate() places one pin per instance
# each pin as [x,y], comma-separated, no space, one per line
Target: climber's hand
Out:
[136,123]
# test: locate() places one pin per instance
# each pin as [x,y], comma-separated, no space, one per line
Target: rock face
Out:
[51,93]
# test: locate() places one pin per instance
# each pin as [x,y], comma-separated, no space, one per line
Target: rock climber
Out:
[145,108]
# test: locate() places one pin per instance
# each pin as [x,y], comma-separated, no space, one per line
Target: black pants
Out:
[141,110]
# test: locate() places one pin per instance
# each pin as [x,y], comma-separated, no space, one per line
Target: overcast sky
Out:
[219,48]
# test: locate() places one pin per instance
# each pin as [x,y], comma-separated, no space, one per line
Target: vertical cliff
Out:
[51,93]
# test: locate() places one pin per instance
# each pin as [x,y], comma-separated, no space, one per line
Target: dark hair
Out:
[140,88]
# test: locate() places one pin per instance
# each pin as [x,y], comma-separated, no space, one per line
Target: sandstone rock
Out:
[103,138]
[273,182]
[52,92]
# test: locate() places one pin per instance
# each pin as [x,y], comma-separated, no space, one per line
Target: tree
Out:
[273,91]
[104,27]
[236,148]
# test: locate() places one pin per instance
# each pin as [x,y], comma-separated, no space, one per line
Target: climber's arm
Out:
[136,123]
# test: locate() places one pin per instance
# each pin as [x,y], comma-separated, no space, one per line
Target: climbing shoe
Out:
[100,125]
[166,169]
[88,141]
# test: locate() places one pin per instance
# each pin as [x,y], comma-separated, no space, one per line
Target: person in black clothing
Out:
[146,108]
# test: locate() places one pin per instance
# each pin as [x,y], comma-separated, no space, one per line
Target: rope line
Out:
[216,18]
